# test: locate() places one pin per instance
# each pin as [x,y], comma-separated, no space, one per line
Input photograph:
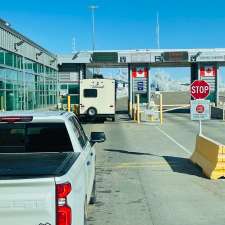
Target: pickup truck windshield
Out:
[34,137]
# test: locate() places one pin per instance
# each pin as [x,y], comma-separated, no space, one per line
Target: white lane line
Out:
[174,141]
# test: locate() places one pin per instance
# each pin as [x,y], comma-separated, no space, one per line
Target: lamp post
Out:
[93,8]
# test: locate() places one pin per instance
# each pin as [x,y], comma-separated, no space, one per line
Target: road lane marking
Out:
[154,164]
[174,141]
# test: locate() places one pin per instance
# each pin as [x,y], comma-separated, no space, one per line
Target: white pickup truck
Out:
[47,169]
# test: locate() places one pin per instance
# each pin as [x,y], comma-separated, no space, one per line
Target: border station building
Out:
[28,73]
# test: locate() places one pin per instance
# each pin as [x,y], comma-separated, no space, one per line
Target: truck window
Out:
[34,137]
[90,93]
[82,138]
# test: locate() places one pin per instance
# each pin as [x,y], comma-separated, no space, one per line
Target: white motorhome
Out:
[97,98]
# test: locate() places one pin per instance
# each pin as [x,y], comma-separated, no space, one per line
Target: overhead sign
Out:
[140,72]
[200,109]
[208,71]
[206,57]
[200,89]
[104,57]
[175,56]
[141,58]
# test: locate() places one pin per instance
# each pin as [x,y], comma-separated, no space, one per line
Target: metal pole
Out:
[161,109]
[157,31]
[200,127]
[138,108]
[93,8]
[223,111]
[93,28]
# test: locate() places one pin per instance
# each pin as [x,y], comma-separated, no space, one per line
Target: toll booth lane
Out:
[144,176]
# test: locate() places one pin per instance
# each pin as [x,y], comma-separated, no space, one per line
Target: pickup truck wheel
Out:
[93,194]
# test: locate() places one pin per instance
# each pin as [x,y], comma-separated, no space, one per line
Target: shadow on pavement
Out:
[183,165]
[122,112]
[96,121]
[185,111]
[128,152]
[177,164]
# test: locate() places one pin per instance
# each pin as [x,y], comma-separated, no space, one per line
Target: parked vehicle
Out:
[97,98]
[47,169]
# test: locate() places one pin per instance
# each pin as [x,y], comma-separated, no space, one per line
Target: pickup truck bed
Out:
[31,165]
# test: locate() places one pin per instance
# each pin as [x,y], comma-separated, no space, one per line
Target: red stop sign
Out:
[200,108]
[200,89]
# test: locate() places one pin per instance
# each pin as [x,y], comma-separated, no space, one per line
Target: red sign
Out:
[140,72]
[200,108]
[208,71]
[200,89]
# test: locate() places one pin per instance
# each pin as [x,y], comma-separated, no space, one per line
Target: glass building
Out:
[28,73]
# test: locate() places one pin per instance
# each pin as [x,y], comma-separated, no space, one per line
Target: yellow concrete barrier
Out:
[210,156]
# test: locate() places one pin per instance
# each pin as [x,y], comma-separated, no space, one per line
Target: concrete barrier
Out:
[210,156]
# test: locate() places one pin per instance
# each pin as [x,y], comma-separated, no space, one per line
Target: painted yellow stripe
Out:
[140,165]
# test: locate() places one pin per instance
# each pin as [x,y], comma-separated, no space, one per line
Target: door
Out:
[88,153]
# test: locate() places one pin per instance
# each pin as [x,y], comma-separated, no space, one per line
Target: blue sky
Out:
[120,24]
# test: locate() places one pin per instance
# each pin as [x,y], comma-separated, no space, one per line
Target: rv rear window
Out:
[90,93]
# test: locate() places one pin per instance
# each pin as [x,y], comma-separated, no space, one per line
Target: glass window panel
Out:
[2,57]
[35,66]
[90,93]
[63,86]
[9,59]
[73,89]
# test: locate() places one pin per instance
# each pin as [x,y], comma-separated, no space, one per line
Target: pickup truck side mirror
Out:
[97,137]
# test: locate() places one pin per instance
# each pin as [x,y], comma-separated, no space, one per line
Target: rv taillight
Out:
[14,119]
[63,211]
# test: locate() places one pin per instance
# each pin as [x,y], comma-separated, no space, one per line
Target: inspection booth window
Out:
[90,93]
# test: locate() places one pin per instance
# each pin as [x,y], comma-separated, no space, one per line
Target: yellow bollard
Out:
[161,108]
[68,103]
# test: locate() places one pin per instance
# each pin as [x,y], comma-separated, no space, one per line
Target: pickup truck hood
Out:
[31,165]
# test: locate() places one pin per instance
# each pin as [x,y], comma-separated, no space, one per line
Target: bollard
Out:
[68,103]
[138,108]
[130,109]
[135,112]
[161,109]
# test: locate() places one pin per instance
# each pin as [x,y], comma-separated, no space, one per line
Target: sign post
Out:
[200,108]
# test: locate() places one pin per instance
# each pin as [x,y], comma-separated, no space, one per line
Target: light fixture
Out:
[38,54]
[17,44]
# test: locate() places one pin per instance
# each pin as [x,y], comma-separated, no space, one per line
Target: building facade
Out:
[28,73]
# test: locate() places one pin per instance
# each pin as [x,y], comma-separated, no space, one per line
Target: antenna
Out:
[74,45]
[157,31]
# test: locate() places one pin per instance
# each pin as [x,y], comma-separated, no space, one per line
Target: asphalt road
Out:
[144,176]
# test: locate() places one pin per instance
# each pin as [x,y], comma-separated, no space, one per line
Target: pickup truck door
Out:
[88,153]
